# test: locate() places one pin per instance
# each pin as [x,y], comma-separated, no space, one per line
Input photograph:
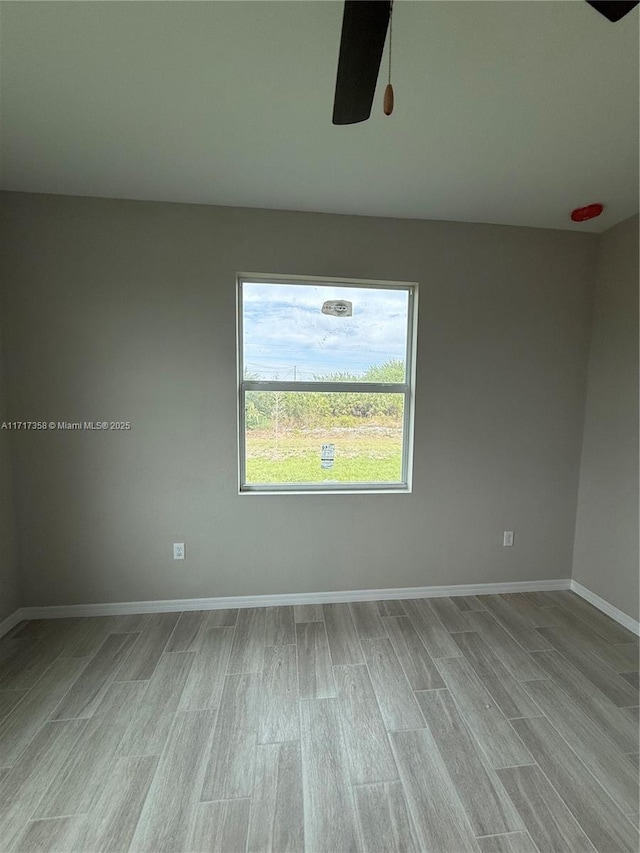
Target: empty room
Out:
[319,426]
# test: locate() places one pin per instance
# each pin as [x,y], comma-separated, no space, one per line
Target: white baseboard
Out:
[120,608]
[7,624]
[609,609]
[129,607]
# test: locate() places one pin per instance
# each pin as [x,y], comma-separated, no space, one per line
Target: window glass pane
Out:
[317,437]
[287,337]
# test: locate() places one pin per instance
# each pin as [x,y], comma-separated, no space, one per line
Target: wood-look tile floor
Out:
[497,724]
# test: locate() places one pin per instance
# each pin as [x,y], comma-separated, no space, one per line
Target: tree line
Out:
[308,409]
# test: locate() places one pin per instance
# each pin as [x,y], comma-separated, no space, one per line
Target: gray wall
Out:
[9,588]
[606,544]
[126,311]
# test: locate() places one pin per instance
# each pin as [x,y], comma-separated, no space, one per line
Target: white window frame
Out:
[407,389]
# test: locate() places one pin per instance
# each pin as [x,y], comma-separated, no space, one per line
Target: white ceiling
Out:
[506,112]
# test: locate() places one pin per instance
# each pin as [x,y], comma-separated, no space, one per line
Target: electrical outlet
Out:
[507,539]
[178,550]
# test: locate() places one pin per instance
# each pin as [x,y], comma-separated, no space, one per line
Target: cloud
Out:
[285,330]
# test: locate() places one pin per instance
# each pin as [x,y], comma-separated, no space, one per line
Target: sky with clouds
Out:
[287,336]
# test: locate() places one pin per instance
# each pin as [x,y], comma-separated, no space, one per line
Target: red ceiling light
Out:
[581,214]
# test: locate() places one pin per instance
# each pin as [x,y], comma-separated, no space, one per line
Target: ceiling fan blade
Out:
[613,10]
[364,29]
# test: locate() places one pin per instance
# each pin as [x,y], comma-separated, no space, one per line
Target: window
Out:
[326,376]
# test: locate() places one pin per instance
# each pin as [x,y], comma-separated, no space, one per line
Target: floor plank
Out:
[520,664]
[229,771]
[430,629]
[315,675]
[220,619]
[143,658]
[628,660]
[110,825]
[385,822]
[438,815]
[308,613]
[514,624]
[152,719]
[599,817]
[170,809]
[529,612]
[280,630]
[14,649]
[632,677]
[450,615]
[540,599]
[132,623]
[277,818]
[467,602]
[615,657]
[391,608]
[367,619]
[247,651]
[25,629]
[549,822]
[329,808]
[415,660]
[397,701]
[221,827]
[8,700]
[22,670]
[74,788]
[598,621]
[515,842]
[83,637]
[342,634]
[205,681]
[619,691]
[614,772]
[279,696]
[25,783]
[482,716]
[507,692]
[57,835]
[488,808]
[608,717]
[23,722]
[368,752]
[89,688]
[185,634]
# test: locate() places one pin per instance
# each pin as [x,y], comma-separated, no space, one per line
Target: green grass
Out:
[368,454]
